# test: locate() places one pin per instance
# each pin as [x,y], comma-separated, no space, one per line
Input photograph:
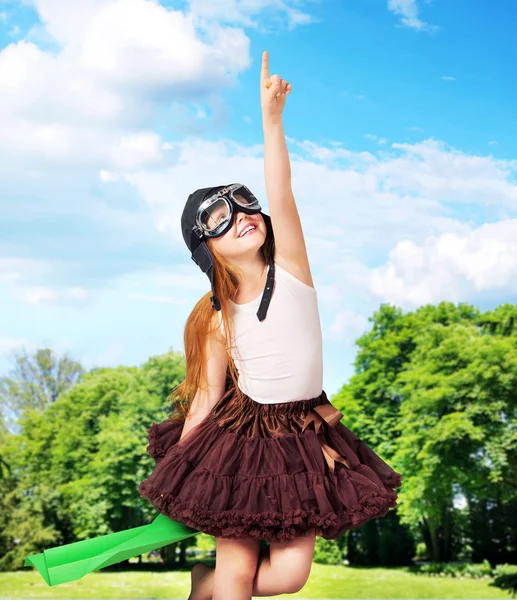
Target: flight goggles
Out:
[214,217]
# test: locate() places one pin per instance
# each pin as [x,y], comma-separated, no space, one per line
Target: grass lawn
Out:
[324,582]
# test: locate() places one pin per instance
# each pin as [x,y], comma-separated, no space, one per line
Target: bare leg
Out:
[286,567]
[283,568]
[235,567]
[202,582]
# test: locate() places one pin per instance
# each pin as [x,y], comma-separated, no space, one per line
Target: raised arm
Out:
[287,227]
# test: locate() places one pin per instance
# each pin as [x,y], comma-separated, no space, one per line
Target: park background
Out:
[402,135]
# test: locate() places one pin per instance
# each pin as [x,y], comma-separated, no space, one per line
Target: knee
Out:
[236,559]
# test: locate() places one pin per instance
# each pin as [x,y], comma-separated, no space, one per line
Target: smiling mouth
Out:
[249,232]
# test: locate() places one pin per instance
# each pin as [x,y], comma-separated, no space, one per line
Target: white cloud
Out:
[346,326]
[61,144]
[107,176]
[354,96]
[117,61]
[450,267]
[380,140]
[41,295]
[142,46]
[245,12]
[439,172]
[448,78]
[21,278]
[408,11]
[17,270]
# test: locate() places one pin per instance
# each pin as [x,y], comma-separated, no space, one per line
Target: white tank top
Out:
[280,358]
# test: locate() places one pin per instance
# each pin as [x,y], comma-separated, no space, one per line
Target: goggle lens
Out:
[215,215]
[244,197]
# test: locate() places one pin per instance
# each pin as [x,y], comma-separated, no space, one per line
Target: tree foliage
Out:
[434,393]
[75,466]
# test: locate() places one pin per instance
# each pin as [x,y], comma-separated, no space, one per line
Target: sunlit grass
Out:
[324,582]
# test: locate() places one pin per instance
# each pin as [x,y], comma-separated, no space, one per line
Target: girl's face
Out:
[231,246]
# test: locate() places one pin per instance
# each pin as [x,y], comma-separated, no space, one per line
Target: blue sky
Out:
[401,128]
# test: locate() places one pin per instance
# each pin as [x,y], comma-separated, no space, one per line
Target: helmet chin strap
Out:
[268,290]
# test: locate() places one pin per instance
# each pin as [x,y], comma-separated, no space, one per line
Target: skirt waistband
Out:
[321,398]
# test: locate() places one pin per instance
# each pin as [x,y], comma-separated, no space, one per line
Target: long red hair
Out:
[199,324]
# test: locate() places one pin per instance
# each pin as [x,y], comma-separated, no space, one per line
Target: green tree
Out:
[77,465]
[434,394]
[35,382]
[327,552]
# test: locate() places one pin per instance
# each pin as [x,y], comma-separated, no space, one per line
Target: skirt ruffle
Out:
[255,473]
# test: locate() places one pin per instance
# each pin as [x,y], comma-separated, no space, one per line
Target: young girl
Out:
[257,457]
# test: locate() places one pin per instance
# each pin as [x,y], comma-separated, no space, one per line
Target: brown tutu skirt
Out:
[270,472]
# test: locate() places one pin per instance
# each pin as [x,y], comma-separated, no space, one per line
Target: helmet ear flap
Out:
[203,257]
[205,261]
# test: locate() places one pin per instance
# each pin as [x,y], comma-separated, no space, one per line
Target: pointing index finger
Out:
[265,66]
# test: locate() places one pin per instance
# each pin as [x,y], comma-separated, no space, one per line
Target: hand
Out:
[273,91]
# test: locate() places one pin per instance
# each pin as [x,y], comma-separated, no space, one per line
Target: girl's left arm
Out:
[287,227]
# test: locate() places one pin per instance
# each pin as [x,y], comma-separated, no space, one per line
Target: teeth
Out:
[246,230]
